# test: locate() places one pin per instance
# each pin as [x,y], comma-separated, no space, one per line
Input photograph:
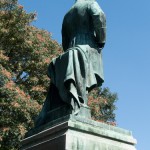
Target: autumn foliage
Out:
[25,52]
[102,104]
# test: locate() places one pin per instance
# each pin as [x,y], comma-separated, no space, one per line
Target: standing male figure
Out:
[79,69]
[84,26]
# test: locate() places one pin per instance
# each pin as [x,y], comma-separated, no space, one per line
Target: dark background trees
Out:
[25,52]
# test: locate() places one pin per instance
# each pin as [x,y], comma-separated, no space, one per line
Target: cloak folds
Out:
[76,72]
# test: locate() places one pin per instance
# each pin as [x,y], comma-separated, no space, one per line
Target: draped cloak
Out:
[76,71]
[79,69]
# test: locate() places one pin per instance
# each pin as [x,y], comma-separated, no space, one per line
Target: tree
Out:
[102,104]
[17,111]
[25,52]
[29,50]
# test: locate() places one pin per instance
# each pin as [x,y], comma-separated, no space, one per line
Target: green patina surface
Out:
[80,68]
[78,133]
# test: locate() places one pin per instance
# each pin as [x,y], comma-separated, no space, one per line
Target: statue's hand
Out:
[101,45]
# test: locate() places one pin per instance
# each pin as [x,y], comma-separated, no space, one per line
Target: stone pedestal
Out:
[76,133]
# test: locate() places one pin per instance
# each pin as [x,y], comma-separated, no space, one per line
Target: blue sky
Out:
[126,56]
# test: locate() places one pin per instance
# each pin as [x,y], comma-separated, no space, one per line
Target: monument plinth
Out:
[78,133]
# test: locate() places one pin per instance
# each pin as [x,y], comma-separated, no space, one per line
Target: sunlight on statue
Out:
[79,69]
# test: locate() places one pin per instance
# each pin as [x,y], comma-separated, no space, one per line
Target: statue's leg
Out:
[84,109]
[84,94]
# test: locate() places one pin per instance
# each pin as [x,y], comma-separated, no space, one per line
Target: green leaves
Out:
[102,103]
[25,52]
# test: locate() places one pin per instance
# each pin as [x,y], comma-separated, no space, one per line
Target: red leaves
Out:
[102,105]
[38,89]
[9,85]
[3,57]
[20,6]
[6,73]
[40,38]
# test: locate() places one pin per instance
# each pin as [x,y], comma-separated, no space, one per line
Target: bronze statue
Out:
[79,69]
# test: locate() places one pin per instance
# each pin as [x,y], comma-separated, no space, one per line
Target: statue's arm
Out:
[99,22]
[65,38]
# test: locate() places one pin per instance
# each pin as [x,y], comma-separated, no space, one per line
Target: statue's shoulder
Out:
[94,7]
[70,10]
[68,14]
